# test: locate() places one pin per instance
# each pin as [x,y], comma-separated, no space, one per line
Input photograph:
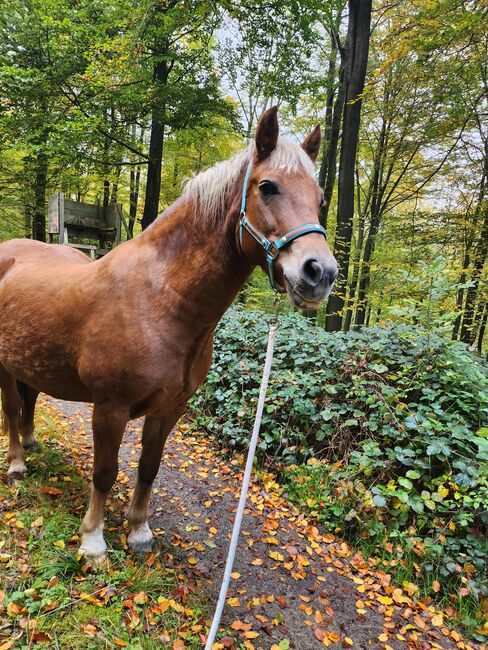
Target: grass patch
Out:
[50,594]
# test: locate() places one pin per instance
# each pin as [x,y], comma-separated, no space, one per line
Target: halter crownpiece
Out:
[271,248]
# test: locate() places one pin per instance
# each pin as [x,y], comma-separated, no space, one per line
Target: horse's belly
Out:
[59,381]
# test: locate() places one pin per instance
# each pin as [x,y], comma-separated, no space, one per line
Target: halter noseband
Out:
[272,248]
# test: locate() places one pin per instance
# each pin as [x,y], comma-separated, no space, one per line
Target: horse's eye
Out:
[268,188]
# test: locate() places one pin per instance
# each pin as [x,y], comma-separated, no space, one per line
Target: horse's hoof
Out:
[140,539]
[142,548]
[16,472]
[95,561]
[93,545]
[31,445]
[15,478]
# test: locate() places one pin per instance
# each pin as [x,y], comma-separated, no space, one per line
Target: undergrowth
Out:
[377,435]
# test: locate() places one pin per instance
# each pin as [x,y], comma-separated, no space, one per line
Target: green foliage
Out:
[387,419]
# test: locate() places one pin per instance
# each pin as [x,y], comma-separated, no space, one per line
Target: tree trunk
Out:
[39,206]
[376,210]
[115,186]
[328,167]
[480,253]
[481,333]
[156,145]
[468,331]
[134,184]
[460,293]
[355,71]
[357,261]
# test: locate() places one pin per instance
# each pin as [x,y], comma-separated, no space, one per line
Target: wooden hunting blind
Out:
[94,229]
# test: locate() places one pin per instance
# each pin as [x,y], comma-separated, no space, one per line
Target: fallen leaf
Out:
[52,491]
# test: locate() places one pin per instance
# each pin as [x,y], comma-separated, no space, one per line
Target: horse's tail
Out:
[22,390]
[3,417]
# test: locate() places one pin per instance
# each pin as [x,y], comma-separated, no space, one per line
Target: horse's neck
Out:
[199,261]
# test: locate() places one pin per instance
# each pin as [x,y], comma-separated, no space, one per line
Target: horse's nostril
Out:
[332,274]
[312,272]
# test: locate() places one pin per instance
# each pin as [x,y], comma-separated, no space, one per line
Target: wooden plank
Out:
[83,214]
[124,223]
[55,210]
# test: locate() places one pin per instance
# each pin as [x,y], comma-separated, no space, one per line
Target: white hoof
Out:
[140,538]
[16,471]
[93,545]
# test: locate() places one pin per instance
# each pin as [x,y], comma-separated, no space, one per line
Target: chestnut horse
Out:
[133,331]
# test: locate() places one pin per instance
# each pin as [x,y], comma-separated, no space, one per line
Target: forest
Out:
[122,101]
[373,448]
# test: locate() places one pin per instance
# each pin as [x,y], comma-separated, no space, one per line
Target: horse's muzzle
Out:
[315,282]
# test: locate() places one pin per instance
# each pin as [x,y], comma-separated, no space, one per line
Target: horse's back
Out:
[30,251]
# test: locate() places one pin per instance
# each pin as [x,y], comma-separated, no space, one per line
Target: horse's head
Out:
[279,227]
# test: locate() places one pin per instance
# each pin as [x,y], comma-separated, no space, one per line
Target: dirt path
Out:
[289,582]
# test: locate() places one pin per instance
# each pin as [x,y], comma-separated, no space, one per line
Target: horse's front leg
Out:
[154,436]
[108,428]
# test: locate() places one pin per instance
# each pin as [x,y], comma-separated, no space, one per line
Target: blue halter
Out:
[272,248]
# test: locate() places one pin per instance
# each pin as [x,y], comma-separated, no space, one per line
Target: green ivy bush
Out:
[377,432]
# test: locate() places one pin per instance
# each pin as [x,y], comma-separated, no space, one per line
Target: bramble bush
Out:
[377,433]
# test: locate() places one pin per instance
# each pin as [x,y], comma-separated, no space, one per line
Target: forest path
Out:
[290,581]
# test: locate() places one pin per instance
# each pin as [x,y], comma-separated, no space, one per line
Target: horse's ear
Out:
[311,144]
[267,133]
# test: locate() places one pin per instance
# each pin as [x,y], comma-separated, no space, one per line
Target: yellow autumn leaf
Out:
[274,555]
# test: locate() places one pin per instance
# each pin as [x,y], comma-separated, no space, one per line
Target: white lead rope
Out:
[245,486]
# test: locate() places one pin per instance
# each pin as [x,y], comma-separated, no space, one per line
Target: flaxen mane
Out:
[211,188]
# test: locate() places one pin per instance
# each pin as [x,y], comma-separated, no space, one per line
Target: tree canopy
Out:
[121,101]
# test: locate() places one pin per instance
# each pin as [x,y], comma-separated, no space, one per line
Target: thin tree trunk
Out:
[39,207]
[329,105]
[376,209]
[481,333]
[357,262]
[480,253]
[329,162]
[460,293]
[156,145]
[134,186]
[357,59]
[115,186]
[468,331]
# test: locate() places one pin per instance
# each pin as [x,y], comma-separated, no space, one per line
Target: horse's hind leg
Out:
[108,428]
[29,397]
[11,404]
[154,436]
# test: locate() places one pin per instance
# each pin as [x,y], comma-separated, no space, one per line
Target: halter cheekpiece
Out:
[272,248]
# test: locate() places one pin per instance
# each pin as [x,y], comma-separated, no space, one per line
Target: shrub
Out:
[386,420]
